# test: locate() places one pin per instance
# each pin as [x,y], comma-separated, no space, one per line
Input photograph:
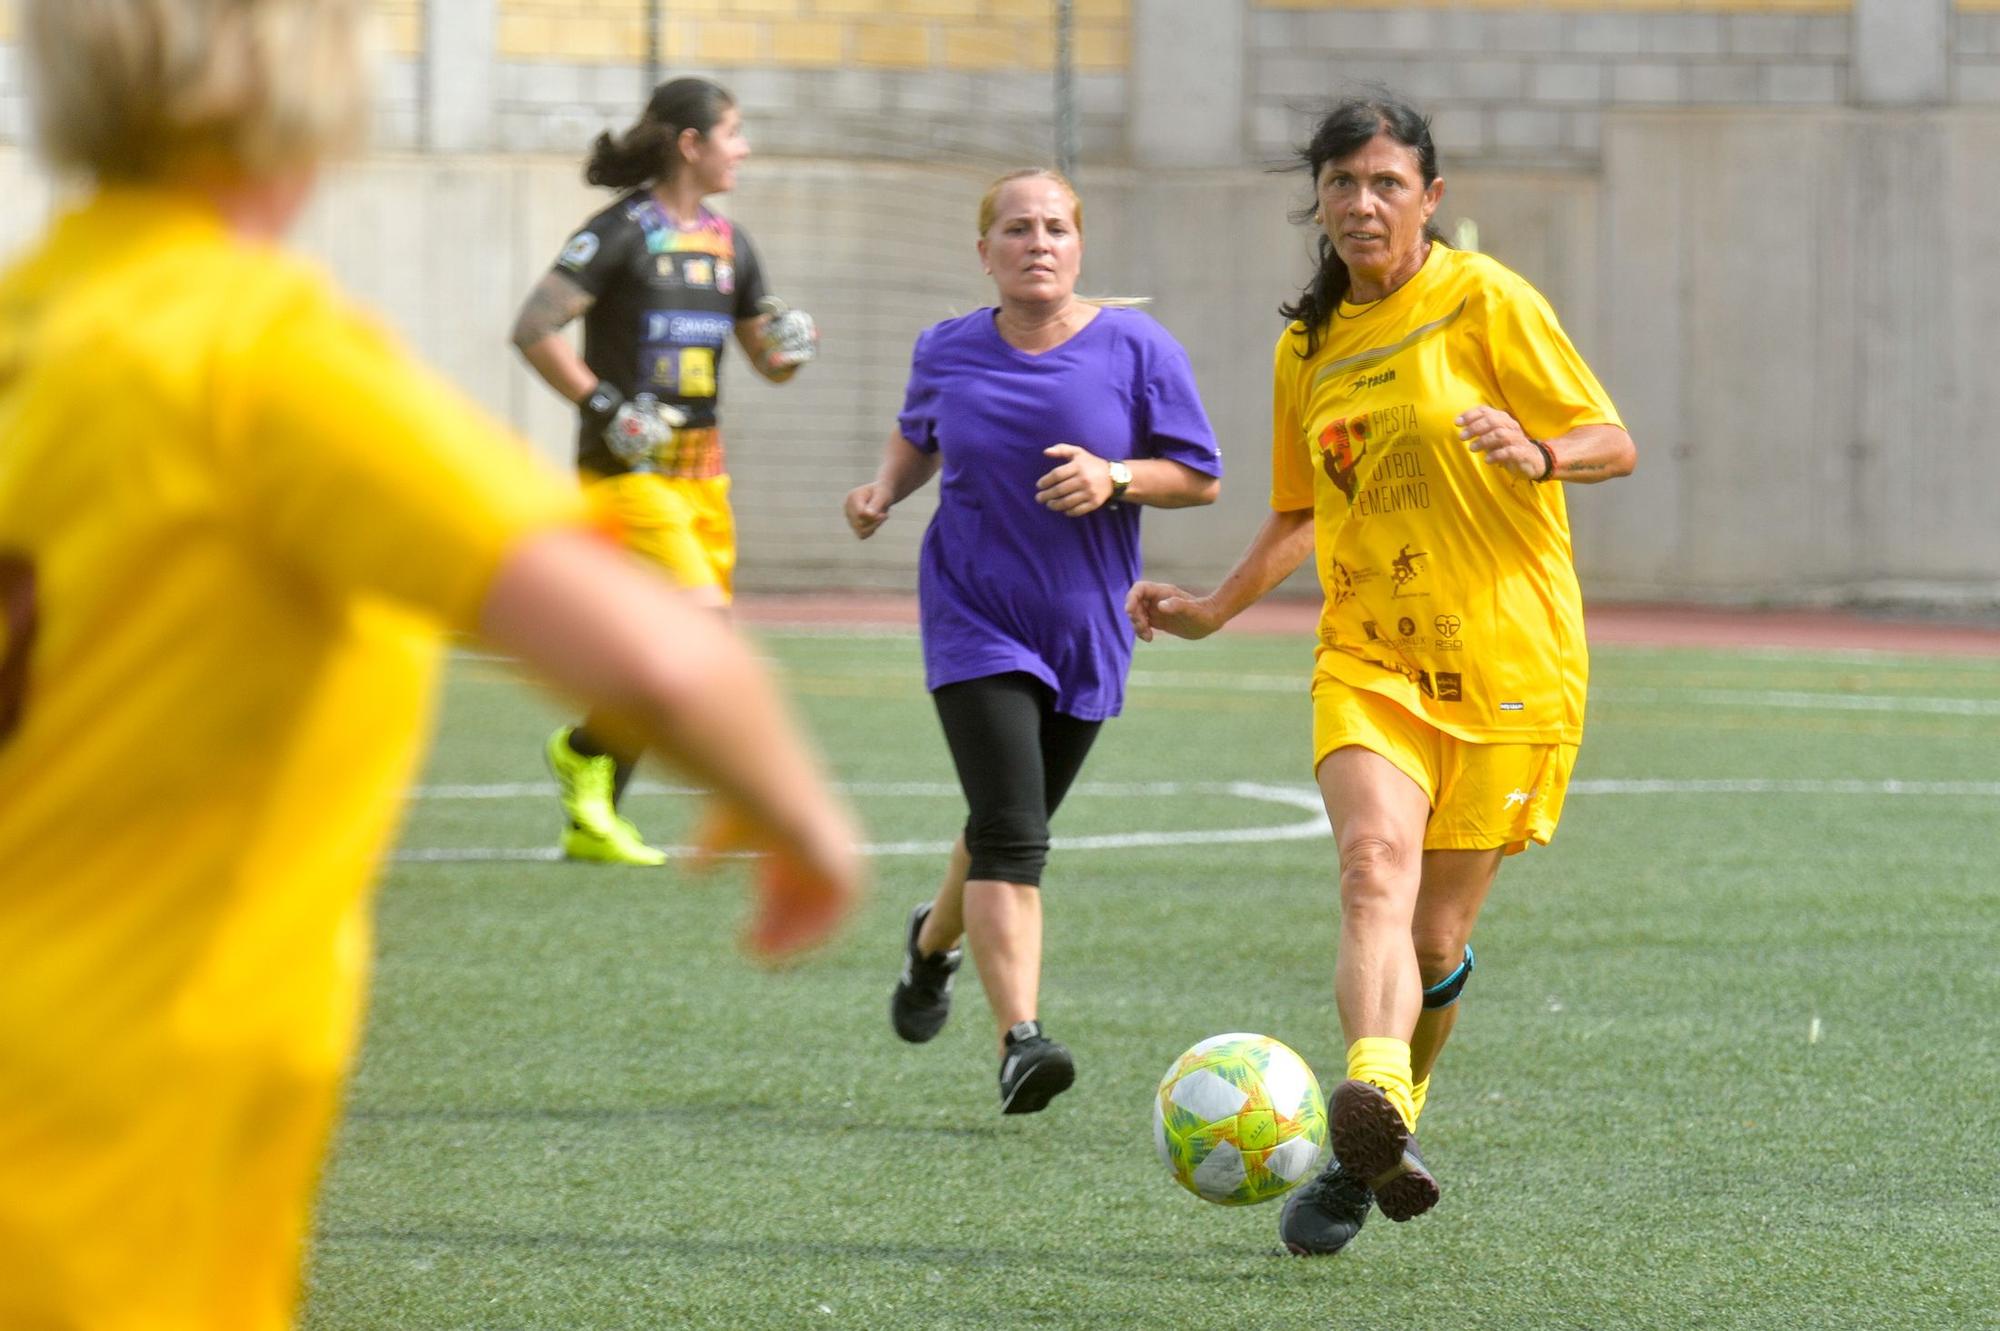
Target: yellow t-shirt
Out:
[233,519]
[1448,581]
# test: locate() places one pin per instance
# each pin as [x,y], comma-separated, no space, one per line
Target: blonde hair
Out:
[137,90]
[989,213]
[989,203]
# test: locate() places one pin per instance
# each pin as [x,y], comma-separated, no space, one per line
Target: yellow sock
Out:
[1418,1094]
[1384,1062]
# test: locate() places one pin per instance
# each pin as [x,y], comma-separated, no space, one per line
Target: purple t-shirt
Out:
[1005,584]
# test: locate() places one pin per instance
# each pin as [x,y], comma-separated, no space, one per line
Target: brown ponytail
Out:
[647,151]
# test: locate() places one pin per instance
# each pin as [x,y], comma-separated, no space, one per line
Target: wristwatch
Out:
[1121,478]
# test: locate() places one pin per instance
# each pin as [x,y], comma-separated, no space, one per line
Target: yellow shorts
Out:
[684,525]
[1483,796]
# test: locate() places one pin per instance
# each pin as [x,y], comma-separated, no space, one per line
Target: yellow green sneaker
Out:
[594,831]
[621,845]
[582,783]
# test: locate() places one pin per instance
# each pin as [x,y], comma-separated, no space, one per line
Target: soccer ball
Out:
[1239,1119]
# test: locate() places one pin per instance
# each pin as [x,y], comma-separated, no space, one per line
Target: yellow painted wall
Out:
[823,34]
[399,25]
[1602,6]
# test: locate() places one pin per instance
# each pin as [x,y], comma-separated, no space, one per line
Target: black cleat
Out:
[1035,1070]
[922,1000]
[1371,1142]
[1323,1215]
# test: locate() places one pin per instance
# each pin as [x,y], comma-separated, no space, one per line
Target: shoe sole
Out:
[1371,1141]
[1041,1084]
[616,861]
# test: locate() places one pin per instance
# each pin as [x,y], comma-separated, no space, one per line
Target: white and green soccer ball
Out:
[1239,1119]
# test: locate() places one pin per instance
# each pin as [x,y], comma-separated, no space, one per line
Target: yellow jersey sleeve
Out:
[1547,386]
[1291,456]
[370,474]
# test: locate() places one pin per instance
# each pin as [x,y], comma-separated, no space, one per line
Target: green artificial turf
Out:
[1729,1059]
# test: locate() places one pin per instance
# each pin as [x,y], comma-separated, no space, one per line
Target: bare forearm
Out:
[1592,453]
[552,306]
[1160,483]
[561,368]
[596,625]
[905,468]
[1283,543]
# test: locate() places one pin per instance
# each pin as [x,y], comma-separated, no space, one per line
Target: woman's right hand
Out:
[867,507]
[1163,606]
[806,889]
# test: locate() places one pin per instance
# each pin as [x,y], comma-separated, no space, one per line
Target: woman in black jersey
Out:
[661,283]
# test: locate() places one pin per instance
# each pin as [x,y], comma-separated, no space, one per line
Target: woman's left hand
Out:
[1500,437]
[1082,484]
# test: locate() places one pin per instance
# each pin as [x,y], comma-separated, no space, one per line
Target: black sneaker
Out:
[1323,1215]
[1034,1071]
[922,1000]
[1371,1142]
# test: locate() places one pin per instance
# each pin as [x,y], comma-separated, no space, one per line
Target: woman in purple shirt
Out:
[1053,418]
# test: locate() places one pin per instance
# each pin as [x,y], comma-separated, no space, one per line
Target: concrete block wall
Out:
[446,249]
[896,79]
[1530,85]
[1811,402]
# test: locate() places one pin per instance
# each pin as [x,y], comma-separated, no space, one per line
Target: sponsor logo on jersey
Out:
[1342,444]
[1448,625]
[1343,583]
[725,277]
[1513,707]
[1450,686]
[699,272]
[668,268]
[687,329]
[1405,569]
[582,248]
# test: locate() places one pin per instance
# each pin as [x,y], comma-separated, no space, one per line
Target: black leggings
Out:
[1016,756]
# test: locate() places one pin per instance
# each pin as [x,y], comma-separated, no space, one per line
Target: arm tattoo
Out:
[550,307]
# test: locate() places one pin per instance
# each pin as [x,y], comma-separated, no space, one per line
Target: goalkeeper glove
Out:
[635,430]
[790,337]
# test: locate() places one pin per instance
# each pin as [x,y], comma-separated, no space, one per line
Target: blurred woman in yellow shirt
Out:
[1424,403]
[234,518]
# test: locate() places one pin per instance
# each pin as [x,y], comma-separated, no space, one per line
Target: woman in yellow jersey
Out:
[1425,407]
[662,284]
[234,517]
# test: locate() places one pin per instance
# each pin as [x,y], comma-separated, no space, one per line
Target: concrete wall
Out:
[1791,303]
[1811,387]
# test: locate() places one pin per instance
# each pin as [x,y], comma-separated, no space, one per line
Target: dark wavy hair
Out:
[1342,131]
[645,152]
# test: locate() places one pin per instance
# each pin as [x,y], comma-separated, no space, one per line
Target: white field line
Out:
[1300,683]
[1784,786]
[1805,701]
[1299,796]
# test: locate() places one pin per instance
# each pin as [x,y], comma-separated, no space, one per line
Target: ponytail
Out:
[636,157]
[648,151]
